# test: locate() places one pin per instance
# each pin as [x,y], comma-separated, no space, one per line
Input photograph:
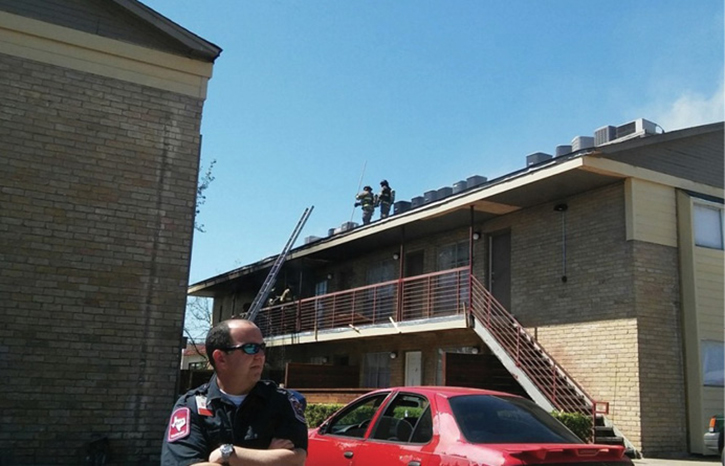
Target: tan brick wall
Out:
[97,189]
[662,388]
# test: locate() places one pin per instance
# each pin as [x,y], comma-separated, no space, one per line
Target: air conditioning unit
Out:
[563,149]
[637,127]
[582,142]
[537,157]
[311,239]
[604,135]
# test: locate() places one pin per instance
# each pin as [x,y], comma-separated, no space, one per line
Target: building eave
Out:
[199,47]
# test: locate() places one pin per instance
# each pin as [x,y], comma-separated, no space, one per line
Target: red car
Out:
[449,426]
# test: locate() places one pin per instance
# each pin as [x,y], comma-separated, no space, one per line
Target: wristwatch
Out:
[227,450]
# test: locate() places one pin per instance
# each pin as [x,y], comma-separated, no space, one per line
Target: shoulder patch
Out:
[298,403]
[179,424]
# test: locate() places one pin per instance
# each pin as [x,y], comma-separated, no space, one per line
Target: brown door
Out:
[499,277]
[414,263]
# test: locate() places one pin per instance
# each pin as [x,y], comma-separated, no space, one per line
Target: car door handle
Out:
[348,454]
[414,463]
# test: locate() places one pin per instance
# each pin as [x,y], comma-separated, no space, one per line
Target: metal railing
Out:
[427,296]
[422,297]
[550,378]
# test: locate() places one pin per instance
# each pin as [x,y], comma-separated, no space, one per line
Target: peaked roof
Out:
[127,21]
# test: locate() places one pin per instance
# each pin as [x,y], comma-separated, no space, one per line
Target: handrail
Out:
[423,296]
[528,355]
[445,293]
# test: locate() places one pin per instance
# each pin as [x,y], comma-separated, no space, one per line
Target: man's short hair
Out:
[218,338]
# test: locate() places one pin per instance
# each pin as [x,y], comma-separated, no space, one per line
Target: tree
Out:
[198,320]
[204,182]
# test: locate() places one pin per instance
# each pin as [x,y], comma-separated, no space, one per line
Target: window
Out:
[506,419]
[354,420]
[406,419]
[708,219]
[452,256]
[712,363]
[376,370]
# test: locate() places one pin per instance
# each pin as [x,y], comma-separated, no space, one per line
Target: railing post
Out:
[298,324]
[553,386]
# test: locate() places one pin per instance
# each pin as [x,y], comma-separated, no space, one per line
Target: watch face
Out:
[226,450]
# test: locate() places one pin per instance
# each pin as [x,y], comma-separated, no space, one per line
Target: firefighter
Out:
[385,199]
[366,200]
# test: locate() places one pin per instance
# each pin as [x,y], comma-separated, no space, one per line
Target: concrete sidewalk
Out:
[687,461]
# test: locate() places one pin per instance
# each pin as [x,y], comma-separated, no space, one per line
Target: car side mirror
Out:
[323,428]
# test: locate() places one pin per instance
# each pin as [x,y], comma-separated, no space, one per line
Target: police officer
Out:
[385,199]
[236,419]
[366,199]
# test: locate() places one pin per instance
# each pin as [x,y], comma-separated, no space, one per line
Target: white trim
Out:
[56,45]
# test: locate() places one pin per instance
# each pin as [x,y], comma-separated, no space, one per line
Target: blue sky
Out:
[422,93]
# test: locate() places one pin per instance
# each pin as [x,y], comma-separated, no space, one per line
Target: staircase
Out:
[546,382]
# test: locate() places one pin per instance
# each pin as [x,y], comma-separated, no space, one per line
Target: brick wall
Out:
[97,186]
[659,333]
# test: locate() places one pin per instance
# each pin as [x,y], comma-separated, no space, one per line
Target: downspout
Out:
[469,320]
[401,273]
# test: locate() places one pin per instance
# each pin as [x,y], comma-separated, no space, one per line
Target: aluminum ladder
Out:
[261,297]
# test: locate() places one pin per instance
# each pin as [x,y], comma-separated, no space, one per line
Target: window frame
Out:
[697,206]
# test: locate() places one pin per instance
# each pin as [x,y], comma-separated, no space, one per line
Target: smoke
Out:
[691,109]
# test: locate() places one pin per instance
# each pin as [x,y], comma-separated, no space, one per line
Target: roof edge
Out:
[202,48]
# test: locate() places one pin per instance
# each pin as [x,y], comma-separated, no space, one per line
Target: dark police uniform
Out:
[203,420]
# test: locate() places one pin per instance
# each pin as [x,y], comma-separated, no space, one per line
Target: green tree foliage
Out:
[204,182]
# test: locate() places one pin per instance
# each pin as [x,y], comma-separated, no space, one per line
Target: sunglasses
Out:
[248,348]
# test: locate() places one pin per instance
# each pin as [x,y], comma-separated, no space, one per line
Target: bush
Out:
[578,423]
[318,412]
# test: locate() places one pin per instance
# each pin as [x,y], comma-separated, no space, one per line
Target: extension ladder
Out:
[261,297]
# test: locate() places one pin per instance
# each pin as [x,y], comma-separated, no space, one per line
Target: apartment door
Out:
[413,368]
[414,263]
[499,268]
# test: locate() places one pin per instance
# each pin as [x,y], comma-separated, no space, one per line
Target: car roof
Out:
[445,391]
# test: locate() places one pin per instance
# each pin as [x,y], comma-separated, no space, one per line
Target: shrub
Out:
[318,412]
[578,423]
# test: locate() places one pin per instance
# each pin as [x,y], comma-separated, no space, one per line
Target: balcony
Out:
[421,297]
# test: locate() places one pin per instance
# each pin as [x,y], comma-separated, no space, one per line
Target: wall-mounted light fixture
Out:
[475,350]
[393,355]
[396,256]
[330,276]
[476,236]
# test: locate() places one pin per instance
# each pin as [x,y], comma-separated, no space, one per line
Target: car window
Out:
[503,419]
[353,421]
[405,420]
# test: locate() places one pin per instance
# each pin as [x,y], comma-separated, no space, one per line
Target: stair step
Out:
[609,440]
[602,431]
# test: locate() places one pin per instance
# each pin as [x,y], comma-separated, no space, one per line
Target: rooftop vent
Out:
[311,239]
[537,157]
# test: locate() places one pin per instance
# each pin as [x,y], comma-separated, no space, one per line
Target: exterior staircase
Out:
[543,379]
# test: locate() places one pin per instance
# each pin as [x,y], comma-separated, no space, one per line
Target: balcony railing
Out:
[422,297]
[437,294]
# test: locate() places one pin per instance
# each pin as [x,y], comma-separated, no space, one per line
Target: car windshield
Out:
[504,419]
